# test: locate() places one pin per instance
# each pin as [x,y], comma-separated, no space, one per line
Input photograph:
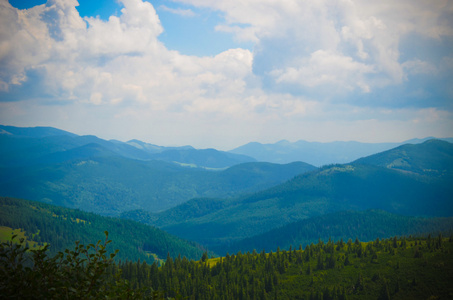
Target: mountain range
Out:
[375,182]
[110,177]
[224,200]
[316,153]
[25,146]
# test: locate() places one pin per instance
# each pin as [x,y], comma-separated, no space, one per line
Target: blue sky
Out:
[187,29]
[223,73]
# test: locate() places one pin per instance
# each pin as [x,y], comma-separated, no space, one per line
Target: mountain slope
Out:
[433,158]
[364,225]
[329,189]
[210,158]
[18,151]
[319,192]
[61,227]
[95,179]
[25,146]
[315,153]
[33,132]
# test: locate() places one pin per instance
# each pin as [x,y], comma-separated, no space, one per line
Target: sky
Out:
[220,74]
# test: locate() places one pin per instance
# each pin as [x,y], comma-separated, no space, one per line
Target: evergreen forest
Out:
[395,268]
[86,218]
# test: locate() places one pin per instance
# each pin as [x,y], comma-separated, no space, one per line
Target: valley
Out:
[163,203]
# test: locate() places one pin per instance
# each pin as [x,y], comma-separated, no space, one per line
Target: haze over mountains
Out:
[219,198]
[109,177]
[318,154]
[407,188]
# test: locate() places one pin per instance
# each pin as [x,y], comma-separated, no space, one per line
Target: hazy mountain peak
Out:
[316,153]
[2,131]
[33,132]
[283,143]
[432,157]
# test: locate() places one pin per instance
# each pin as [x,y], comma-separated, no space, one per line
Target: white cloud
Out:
[290,33]
[326,68]
[117,73]
[178,11]
[120,58]
[418,66]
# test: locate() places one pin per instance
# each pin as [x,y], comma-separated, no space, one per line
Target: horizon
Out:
[250,142]
[219,75]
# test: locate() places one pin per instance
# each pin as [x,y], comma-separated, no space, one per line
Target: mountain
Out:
[43,223]
[209,158]
[25,146]
[33,132]
[110,177]
[365,225]
[189,156]
[432,157]
[315,153]
[25,151]
[111,185]
[151,148]
[326,190]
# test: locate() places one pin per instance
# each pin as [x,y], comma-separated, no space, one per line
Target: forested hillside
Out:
[431,158]
[329,189]
[396,268]
[60,227]
[285,209]
[110,177]
[365,225]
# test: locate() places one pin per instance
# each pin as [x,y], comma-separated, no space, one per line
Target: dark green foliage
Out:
[392,274]
[329,189]
[193,208]
[366,225]
[89,272]
[60,227]
[83,273]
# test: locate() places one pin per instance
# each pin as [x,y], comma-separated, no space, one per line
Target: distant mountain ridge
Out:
[432,157]
[316,153]
[282,152]
[33,132]
[23,145]
[110,177]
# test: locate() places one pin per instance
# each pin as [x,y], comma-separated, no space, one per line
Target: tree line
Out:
[396,268]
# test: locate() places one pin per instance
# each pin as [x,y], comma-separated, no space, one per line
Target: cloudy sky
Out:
[220,74]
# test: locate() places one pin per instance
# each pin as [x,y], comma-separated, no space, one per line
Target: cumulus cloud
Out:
[94,61]
[362,39]
[306,53]
[178,11]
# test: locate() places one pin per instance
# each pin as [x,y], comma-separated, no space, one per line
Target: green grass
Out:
[6,234]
